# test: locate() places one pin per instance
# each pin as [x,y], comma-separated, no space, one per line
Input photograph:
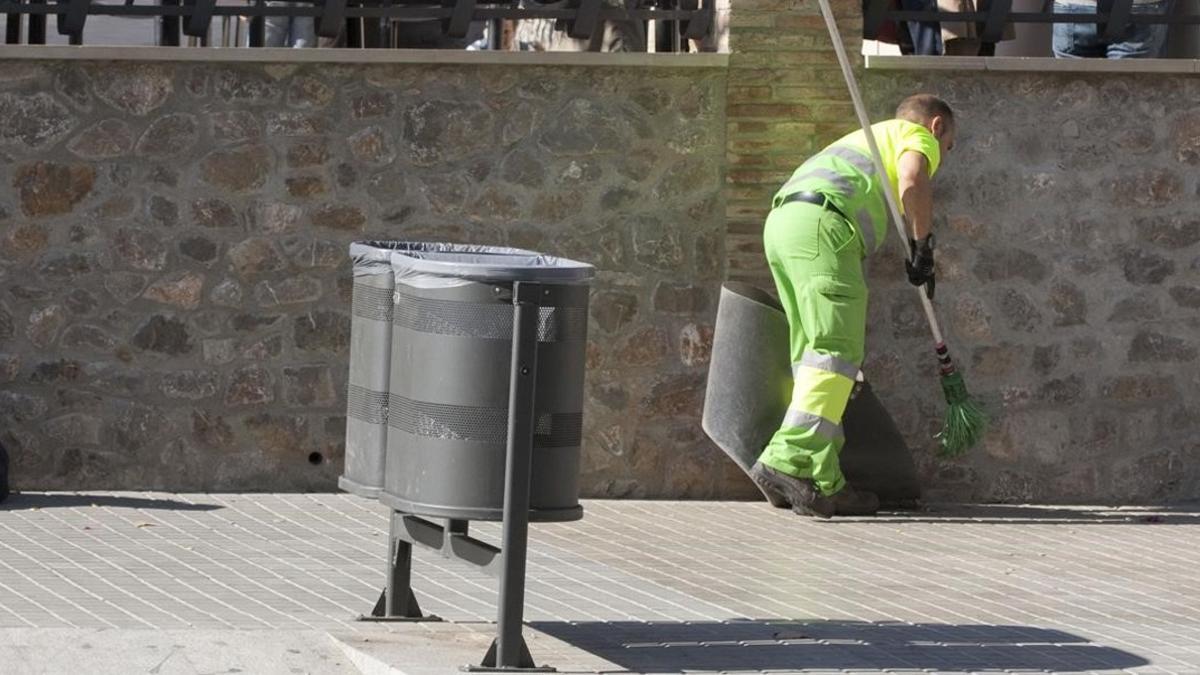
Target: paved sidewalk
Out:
[254,583]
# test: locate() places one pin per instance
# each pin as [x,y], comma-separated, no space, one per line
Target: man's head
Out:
[932,113]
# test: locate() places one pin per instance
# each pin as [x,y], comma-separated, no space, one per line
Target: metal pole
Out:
[889,196]
[169,26]
[37,26]
[515,537]
[397,602]
[399,571]
[385,27]
[258,28]
[12,28]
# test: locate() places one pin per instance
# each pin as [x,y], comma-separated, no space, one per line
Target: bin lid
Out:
[375,256]
[485,263]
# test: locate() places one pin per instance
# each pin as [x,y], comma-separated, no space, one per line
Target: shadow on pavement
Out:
[833,645]
[1179,514]
[38,500]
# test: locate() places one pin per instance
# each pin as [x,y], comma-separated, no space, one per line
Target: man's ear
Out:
[937,126]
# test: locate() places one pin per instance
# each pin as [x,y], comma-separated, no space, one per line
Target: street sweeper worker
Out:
[829,216]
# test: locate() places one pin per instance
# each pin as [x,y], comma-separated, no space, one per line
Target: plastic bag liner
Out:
[430,266]
[749,387]
[375,257]
[368,392]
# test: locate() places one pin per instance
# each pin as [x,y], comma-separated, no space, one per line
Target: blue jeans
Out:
[290,31]
[925,36]
[1084,40]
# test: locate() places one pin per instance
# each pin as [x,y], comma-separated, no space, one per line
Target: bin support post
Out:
[508,652]
[399,587]
[398,602]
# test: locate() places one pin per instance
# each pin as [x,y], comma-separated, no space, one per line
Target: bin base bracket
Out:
[526,664]
[452,541]
[413,614]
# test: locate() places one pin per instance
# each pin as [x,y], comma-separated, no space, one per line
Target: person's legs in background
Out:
[1143,40]
[1076,40]
[276,34]
[289,31]
[926,35]
[304,32]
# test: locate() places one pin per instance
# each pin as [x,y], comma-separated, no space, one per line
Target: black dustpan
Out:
[750,383]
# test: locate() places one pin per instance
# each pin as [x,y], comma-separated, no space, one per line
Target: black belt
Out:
[815,198]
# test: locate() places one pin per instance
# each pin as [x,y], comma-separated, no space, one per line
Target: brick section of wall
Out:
[173,239]
[786,98]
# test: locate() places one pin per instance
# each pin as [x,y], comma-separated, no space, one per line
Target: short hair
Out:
[920,108]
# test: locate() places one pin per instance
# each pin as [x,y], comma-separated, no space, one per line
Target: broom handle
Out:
[892,202]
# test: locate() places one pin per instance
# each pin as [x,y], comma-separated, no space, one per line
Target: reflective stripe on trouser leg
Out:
[822,393]
[811,437]
[824,296]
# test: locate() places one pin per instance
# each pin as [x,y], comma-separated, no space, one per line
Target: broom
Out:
[966,420]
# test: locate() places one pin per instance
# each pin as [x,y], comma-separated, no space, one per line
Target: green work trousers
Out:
[816,257]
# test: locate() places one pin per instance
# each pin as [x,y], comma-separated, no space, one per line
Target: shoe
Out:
[768,489]
[851,502]
[775,498]
[801,493]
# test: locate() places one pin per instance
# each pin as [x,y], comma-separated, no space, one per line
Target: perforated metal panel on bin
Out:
[370,356]
[448,406]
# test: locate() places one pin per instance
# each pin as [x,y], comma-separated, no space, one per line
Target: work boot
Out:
[775,498]
[801,493]
[773,495]
[851,502]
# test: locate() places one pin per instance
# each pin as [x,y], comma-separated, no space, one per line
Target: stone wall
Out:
[173,308]
[173,237]
[1069,256]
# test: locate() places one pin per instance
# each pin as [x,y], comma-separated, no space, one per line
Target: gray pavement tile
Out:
[639,586]
[100,651]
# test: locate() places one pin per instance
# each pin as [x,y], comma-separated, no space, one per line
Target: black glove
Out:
[920,267]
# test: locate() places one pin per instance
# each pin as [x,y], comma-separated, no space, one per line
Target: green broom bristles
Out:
[966,420]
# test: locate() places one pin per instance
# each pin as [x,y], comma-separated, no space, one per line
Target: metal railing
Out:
[1114,17]
[359,23]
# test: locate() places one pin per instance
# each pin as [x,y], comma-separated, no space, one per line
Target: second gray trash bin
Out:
[370,355]
[449,391]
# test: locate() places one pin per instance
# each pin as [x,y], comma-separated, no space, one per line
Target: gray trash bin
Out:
[449,390]
[370,357]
